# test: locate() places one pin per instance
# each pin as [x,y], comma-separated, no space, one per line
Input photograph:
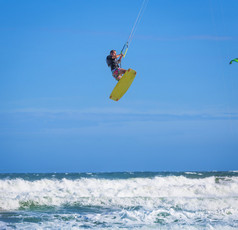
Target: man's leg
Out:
[119,77]
[121,72]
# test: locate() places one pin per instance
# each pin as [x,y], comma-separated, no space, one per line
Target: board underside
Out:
[123,85]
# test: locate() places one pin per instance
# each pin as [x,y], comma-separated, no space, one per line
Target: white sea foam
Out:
[193,173]
[144,192]
[115,220]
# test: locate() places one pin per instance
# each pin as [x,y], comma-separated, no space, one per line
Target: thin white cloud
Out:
[93,112]
[97,121]
[182,38]
[138,36]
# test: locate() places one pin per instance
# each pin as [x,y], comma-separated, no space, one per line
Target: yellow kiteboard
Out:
[123,85]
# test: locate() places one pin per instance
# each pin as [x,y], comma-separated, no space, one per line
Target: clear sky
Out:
[180,114]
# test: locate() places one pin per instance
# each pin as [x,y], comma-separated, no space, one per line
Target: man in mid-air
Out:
[113,62]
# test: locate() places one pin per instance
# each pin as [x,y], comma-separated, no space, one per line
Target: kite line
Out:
[135,26]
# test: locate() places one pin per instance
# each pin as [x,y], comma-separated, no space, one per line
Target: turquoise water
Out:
[140,200]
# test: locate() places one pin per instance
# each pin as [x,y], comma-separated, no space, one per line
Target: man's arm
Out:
[117,56]
[119,60]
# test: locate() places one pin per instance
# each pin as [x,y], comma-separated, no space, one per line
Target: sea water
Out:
[140,200]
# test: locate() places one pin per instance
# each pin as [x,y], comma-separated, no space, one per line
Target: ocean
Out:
[121,200]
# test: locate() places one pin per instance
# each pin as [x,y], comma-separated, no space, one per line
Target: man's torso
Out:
[112,62]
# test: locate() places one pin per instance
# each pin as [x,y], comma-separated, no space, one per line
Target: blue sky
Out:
[180,114]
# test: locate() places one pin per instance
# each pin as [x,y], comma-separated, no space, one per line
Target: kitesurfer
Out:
[113,61]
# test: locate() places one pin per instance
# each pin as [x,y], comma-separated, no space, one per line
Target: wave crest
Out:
[146,192]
